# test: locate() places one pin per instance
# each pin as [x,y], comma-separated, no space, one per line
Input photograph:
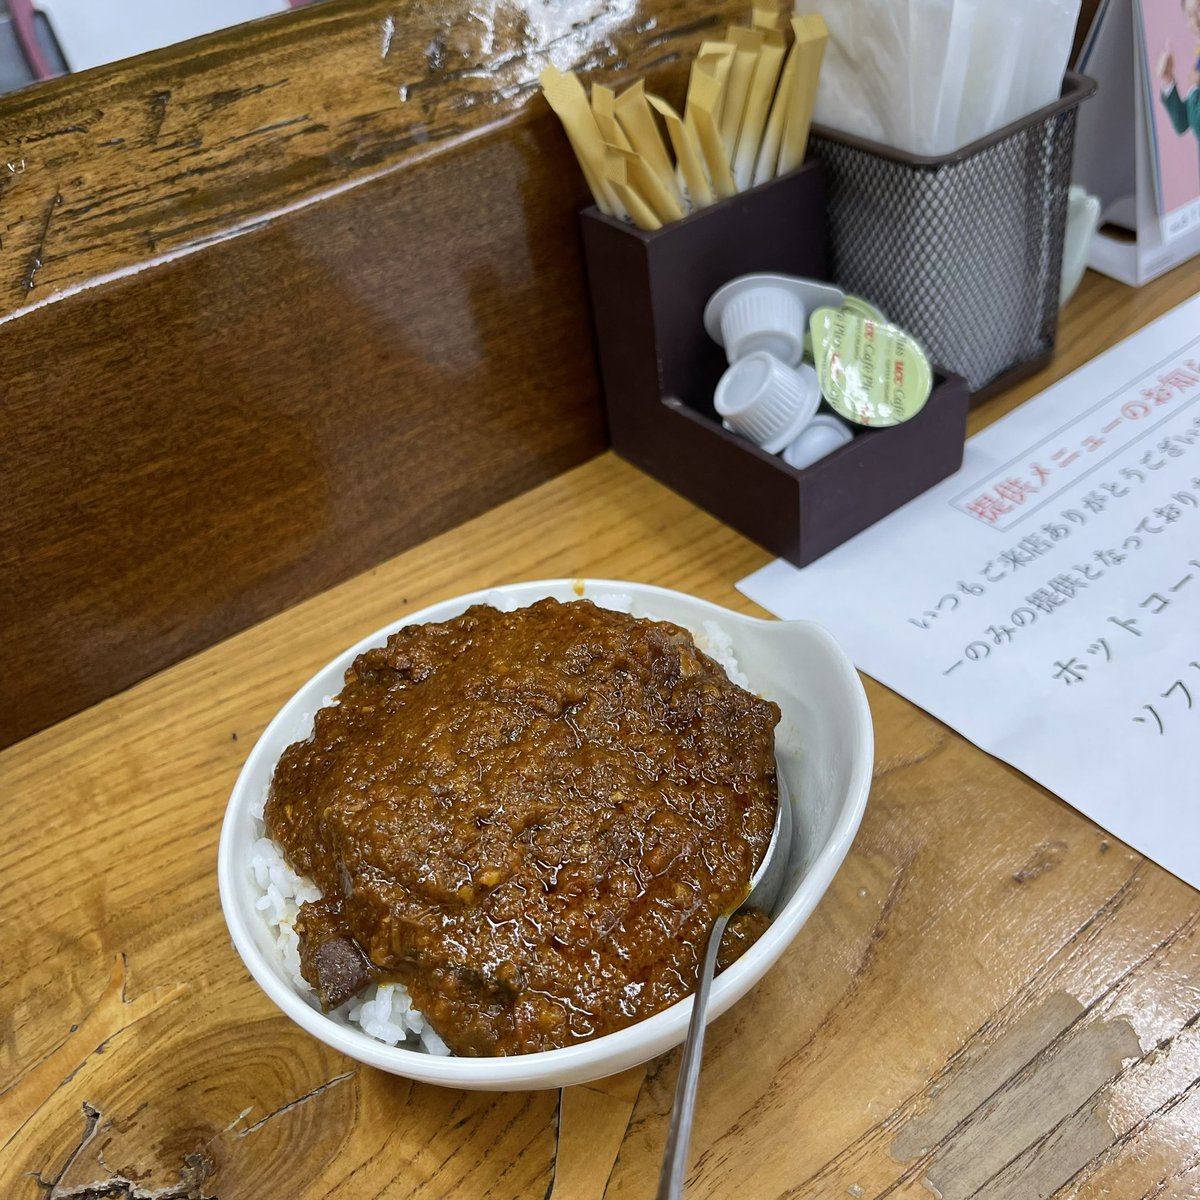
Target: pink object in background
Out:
[21,12]
[1164,23]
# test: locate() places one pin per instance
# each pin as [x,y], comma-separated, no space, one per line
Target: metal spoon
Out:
[764,891]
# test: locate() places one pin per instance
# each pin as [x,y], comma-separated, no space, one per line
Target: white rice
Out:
[385,1011]
[718,645]
[710,637]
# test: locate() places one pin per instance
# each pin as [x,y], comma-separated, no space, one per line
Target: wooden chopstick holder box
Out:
[659,371]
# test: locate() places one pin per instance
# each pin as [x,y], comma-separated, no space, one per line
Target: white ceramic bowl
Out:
[825,747]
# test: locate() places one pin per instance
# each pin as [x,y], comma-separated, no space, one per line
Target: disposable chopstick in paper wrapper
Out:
[769,18]
[746,43]
[809,47]
[704,98]
[746,119]
[715,60]
[661,196]
[758,103]
[633,112]
[616,177]
[687,154]
[794,89]
[566,96]
[661,200]
[604,111]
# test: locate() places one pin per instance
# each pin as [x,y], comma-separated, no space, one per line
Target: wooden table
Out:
[994,1000]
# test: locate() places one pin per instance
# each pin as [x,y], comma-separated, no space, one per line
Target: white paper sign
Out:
[1045,600]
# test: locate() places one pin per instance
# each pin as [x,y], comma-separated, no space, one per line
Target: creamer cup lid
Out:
[823,435]
[766,400]
[811,293]
[857,305]
[871,372]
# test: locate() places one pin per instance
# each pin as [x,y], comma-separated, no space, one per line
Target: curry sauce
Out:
[531,819]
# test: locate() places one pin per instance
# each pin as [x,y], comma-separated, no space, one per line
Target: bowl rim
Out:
[612,1052]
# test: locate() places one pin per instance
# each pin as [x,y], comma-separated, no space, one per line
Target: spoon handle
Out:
[674,1168]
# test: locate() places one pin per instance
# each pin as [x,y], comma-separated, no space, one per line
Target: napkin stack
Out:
[931,76]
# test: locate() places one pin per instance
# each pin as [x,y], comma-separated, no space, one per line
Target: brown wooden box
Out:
[660,369]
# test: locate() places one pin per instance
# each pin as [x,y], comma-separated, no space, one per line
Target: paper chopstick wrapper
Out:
[704,99]
[768,18]
[633,111]
[616,176]
[687,154]
[566,96]
[746,119]
[714,59]
[660,195]
[809,48]
[664,202]
[747,43]
[603,106]
[758,103]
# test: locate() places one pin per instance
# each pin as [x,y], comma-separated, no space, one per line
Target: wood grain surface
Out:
[160,154]
[994,1000]
[278,303]
[188,450]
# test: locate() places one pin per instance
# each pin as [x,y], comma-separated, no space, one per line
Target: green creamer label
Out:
[871,372]
[852,304]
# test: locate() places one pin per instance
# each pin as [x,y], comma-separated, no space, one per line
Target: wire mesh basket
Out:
[964,251]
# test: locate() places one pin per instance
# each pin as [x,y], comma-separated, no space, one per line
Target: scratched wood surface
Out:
[277,304]
[160,153]
[995,1000]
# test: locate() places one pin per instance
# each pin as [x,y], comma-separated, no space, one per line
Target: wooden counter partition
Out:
[276,304]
